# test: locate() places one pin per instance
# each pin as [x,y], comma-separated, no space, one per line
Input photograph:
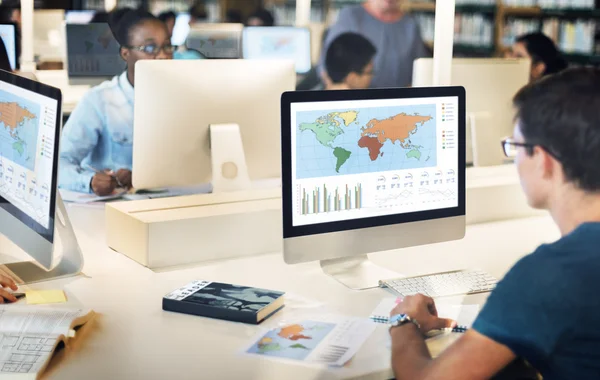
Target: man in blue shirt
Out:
[546,310]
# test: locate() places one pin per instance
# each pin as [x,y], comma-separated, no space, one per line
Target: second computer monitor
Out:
[369,171]
[281,42]
[9,37]
[93,54]
[176,102]
[216,40]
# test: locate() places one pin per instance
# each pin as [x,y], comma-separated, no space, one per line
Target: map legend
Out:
[47,147]
[448,112]
[448,139]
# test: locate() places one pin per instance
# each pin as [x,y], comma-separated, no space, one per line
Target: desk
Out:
[134,339]
[59,78]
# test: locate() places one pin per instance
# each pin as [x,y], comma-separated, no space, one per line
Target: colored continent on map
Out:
[396,128]
[293,332]
[13,116]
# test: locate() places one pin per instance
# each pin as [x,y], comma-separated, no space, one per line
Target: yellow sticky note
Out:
[36,297]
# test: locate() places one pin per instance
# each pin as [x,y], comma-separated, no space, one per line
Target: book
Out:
[224,301]
[30,335]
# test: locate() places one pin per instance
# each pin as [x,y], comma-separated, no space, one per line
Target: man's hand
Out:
[7,282]
[103,184]
[422,309]
[124,178]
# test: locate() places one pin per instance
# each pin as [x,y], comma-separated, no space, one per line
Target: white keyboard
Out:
[443,284]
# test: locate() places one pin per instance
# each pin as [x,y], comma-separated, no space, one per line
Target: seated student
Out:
[261,17]
[546,309]
[96,145]
[349,62]
[545,57]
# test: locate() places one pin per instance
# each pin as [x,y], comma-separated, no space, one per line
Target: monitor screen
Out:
[28,130]
[357,159]
[79,17]
[278,43]
[92,51]
[216,40]
[7,33]
[181,29]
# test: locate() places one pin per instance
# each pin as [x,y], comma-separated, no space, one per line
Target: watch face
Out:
[398,319]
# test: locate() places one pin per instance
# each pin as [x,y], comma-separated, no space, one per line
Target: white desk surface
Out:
[133,338]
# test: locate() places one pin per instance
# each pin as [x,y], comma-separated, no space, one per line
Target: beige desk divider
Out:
[165,232]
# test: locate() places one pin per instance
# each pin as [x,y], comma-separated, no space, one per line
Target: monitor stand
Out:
[70,264]
[229,167]
[357,272]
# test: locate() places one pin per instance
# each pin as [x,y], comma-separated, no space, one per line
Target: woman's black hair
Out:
[164,16]
[4,61]
[122,21]
[100,17]
[542,49]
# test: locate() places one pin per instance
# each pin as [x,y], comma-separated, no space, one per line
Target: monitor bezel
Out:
[53,93]
[288,98]
[15,42]
[249,29]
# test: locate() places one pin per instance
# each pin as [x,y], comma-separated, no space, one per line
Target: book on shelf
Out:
[30,335]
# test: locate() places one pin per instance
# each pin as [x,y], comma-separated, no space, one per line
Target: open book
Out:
[29,336]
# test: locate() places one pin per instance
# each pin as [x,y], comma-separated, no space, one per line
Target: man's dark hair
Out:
[348,53]
[542,49]
[264,15]
[561,114]
[167,15]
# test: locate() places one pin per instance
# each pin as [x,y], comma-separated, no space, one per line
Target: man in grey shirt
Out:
[396,37]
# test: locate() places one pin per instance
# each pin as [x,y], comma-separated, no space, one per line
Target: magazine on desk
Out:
[29,337]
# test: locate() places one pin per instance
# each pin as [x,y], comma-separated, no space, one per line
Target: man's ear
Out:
[546,162]
[537,70]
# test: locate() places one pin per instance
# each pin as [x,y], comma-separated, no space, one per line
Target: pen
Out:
[110,173]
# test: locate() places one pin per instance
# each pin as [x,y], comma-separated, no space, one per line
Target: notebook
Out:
[464,315]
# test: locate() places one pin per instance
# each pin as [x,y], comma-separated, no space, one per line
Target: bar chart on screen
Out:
[324,199]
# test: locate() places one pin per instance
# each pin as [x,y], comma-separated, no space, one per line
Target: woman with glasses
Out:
[96,146]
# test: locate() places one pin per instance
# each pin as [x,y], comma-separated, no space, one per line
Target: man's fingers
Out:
[4,295]
[8,283]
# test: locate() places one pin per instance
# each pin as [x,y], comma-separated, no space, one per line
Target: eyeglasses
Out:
[509,147]
[152,49]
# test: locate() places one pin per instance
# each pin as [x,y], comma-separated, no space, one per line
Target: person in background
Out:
[10,12]
[233,16]
[545,57]
[100,18]
[198,12]
[546,309]
[313,80]
[349,63]
[261,17]
[96,145]
[395,35]
[169,18]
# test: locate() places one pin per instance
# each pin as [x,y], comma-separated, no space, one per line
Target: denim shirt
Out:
[98,134]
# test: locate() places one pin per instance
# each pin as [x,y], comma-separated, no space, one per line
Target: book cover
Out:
[224,301]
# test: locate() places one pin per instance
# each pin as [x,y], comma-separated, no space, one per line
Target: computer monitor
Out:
[210,119]
[79,17]
[93,54]
[216,40]
[278,42]
[491,84]
[31,213]
[9,37]
[49,35]
[370,170]
[181,29]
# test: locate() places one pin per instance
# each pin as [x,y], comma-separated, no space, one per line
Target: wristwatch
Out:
[402,319]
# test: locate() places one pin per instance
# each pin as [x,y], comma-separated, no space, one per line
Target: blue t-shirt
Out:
[547,308]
